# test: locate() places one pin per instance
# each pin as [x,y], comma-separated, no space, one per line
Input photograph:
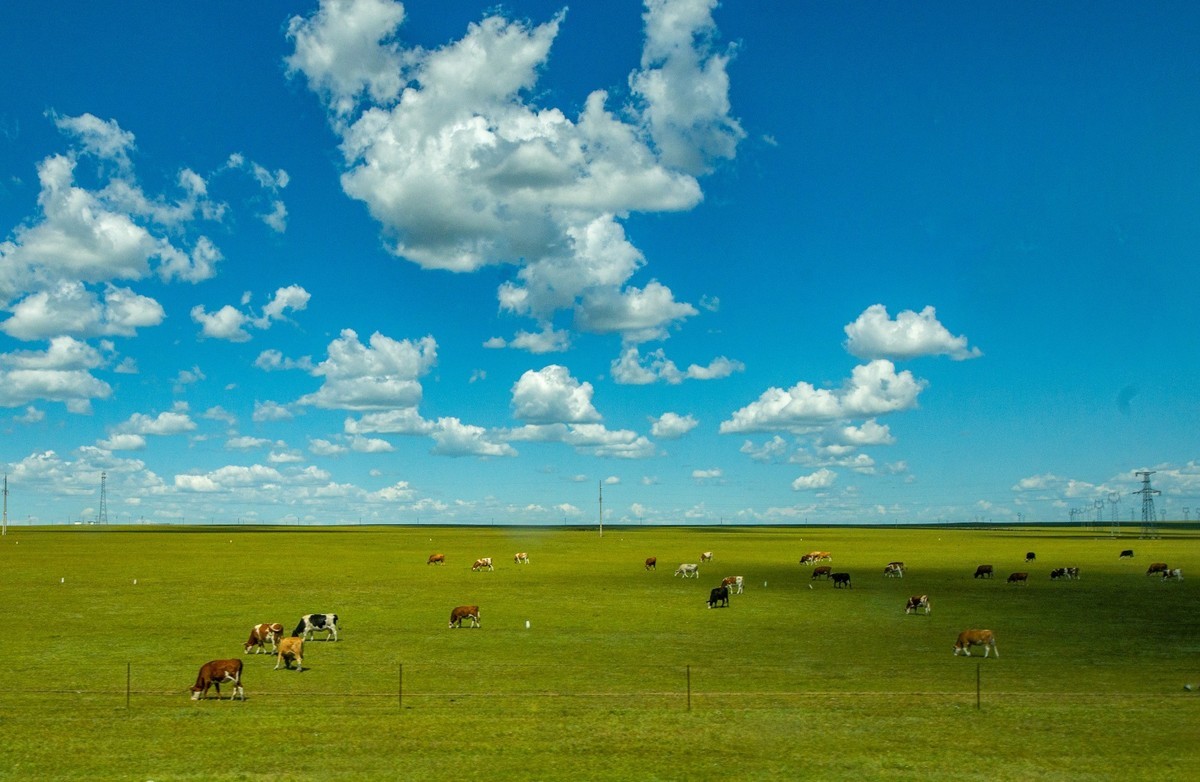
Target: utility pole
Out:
[4,523]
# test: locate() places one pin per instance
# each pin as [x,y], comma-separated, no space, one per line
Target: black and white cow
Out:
[310,623]
[719,596]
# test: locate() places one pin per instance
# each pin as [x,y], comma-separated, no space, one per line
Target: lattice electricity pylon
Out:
[102,516]
[1149,517]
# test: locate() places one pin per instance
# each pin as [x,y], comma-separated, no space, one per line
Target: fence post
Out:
[689,687]
[128,678]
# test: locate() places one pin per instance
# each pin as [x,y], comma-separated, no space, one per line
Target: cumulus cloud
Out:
[61,373]
[69,308]
[454,438]
[873,389]
[631,368]
[874,335]
[380,375]
[821,479]
[229,323]
[174,421]
[450,152]
[671,426]
[230,478]
[551,395]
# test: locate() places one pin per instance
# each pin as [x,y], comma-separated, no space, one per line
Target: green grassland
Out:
[620,674]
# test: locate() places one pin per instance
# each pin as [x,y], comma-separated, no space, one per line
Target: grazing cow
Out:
[706,556]
[1126,554]
[897,564]
[1030,556]
[719,595]
[969,638]
[688,570]
[984,571]
[733,582]
[651,563]
[893,570]
[807,559]
[464,612]
[1172,575]
[311,623]
[1019,578]
[1057,573]
[483,563]
[916,603]
[819,572]
[291,649]
[261,634]
[841,580]
[1073,573]
[214,672]
[1157,567]
[436,559]
[521,558]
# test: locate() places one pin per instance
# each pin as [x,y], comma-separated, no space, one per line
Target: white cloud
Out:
[773,450]
[451,155]
[630,368]
[175,421]
[103,138]
[874,335]
[61,373]
[671,426]
[68,308]
[873,389]
[230,478]
[271,411]
[32,415]
[707,475]
[273,361]
[551,395]
[244,443]
[821,479]
[229,323]
[869,433]
[325,447]
[123,442]
[370,445]
[454,438]
[378,376]
[397,492]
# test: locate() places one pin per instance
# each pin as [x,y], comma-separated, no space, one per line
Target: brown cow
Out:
[734,583]
[521,558]
[260,635]
[436,559]
[808,559]
[969,638]
[984,571]
[483,563]
[213,672]
[1018,578]
[818,572]
[1157,567]
[464,612]
[291,649]
[651,563]
[916,603]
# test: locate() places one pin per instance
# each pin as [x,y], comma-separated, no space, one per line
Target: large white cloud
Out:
[381,375]
[550,395]
[62,373]
[873,389]
[451,154]
[874,335]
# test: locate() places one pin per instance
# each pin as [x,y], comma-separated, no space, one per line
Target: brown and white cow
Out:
[651,563]
[706,556]
[1157,567]
[734,583]
[521,558]
[261,635]
[916,603]
[1175,574]
[984,571]
[808,559]
[822,571]
[436,559]
[894,570]
[213,673]
[969,638]
[290,649]
[464,612]
[483,563]
[1018,578]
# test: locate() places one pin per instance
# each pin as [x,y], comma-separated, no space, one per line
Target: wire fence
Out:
[140,684]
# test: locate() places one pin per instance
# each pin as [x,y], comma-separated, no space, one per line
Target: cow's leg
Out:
[994,649]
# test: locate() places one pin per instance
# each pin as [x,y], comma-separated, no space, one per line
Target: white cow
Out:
[706,556]
[688,570]
[483,563]
[1174,574]
[521,558]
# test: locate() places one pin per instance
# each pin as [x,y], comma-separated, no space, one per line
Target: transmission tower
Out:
[102,516]
[1149,517]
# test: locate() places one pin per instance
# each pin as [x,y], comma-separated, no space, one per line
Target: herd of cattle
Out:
[291,649]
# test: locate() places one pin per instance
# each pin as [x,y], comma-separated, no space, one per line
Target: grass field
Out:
[620,674]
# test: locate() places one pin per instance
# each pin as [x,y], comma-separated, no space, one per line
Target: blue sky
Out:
[464,262]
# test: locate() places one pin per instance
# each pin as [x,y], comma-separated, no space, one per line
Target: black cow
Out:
[1126,554]
[310,623]
[1030,556]
[719,595]
[841,580]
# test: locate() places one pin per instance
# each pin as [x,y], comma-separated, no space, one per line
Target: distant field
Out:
[621,673]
